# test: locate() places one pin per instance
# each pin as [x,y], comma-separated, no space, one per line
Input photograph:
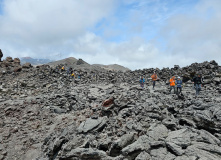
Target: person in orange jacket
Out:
[172,84]
[154,78]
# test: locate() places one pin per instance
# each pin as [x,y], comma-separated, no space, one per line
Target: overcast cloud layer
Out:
[136,34]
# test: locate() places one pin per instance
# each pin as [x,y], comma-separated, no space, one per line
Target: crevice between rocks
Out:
[134,154]
[56,151]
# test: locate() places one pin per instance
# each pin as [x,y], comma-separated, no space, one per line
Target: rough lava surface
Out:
[47,115]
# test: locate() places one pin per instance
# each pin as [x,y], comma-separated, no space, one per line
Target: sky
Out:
[134,33]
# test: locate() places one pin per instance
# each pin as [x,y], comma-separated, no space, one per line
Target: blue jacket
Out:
[179,83]
[142,80]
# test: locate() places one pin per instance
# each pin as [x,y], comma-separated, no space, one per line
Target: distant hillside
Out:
[34,61]
[114,67]
[81,64]
[67,61]
[74,63]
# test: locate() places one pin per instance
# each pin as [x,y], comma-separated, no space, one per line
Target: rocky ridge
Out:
[81,64]
[47,115]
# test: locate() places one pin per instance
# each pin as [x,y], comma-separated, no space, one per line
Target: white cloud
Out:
[44,26]
[134,53]
[195,37]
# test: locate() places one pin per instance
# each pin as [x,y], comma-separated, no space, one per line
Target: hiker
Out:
[172,84]
[62,69]
[79,76]
[179,85]
[57,69]
[154,78]
[70,70]
[198,83]
[72,75]
[142,80]
[94,77]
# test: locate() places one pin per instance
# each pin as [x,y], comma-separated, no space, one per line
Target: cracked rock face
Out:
[47,114]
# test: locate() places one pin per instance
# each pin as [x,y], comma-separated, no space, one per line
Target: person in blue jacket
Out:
[142,80]
[179,85]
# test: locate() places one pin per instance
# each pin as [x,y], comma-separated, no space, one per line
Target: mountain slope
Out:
[114,67]
[81,64]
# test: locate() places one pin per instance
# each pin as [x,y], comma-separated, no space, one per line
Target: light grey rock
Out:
[118,145]
[157,131]
[160,154]
[72,144]
[143,156]
[141,144]
[216,110]
[217,80]
[91,124]
[58,110]
[181,137]
[177,150]
[207,137]
[170,123]
[170,156]
[204,151]
[184,157]
[86,153]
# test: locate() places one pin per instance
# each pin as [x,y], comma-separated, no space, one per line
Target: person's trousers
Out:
[179,90]
[172,87]
[154,83]
[198,88]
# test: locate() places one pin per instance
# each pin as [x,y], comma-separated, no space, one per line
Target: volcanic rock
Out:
[27,65]
[9,59]
[105,114]
[1,55]
[17,61]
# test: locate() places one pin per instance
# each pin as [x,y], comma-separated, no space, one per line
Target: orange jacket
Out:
[154,77]
[172,82]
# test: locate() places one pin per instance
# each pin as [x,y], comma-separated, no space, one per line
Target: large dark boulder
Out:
[27,65]
[9,59]
[17,61]
[1,55]
[18,69]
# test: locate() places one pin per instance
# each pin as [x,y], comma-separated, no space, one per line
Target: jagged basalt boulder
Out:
[27,65]
[17,69]
[1,55]
[9,59]
[17,61]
